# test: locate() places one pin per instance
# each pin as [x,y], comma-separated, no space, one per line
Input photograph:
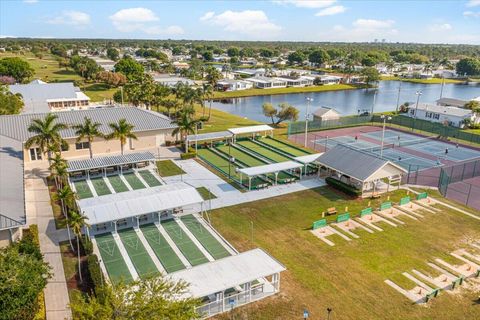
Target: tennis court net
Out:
[415,141]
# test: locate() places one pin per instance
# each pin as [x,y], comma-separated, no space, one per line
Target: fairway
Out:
[283,146]
[100,186]
[207,240]
[137,253]
[349,277]
[112,258]
[168,258]
[149,178]
[184,243]
[269,154]
[117,184]
[82,189]
[133,181]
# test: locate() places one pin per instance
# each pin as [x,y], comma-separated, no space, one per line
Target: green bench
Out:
[422,196]
[404,201]
[319,224]
[365,212]
[343,217]
[386,205]
[432,295]
[457,282]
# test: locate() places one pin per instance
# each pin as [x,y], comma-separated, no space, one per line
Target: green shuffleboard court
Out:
[149,178]
[117,184]
[133,181]
[184,243]
[100,186]
[165,254]
[208,241]
[137,253]
[283,146]
[83,190]
[112,258]
[267,153]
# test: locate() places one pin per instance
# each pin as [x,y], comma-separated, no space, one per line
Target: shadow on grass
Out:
[65,72]
[97,87]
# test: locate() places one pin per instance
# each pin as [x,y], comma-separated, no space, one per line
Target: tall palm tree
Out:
[61,175]
[77,222]
[121,131]
[58,166]
[47,134]
[88,130]
[208,94]
[67,197]
[185,125]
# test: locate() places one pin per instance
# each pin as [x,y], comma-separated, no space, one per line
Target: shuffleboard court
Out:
[112,258]
[149,178]
[164,252]
[100,186]
[117,184]
[208,241]
[82,189]
[133,181]
[267,153]
[137,253]
[184,243]
[283,146]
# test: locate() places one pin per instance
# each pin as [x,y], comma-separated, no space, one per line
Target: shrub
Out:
[87,245]
[339,185]
[187,155]
[97,278]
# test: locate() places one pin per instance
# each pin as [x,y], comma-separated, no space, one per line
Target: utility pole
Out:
[441,88]
[306,120]
[398,96]
[418,93]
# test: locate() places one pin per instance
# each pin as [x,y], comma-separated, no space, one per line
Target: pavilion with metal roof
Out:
[274,168]
[207,137]
[251,129]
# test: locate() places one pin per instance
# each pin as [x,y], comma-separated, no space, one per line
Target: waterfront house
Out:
[267,83]
[448,115]
[325,114]
[451,102]
[233,85]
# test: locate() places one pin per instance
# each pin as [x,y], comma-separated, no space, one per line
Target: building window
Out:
[82,145]
[35,154]
[436,116]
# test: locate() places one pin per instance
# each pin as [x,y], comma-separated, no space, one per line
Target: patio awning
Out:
[308,158]
[226,273]
[209,136]
[250,129]
[123,205]
[103,162]
[270,168]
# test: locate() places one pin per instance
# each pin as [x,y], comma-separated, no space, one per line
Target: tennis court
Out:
[112,258]
[133,181]
[165,254]
[283,146]
[184,243]
[208,241]
[149,178]
[100,186]
[117,184]
[82,189]
[264,152]
[137,253]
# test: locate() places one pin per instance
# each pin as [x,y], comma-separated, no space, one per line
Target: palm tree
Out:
[77,222]
[67,199]
[208,94]
[61,175]
[185,125]
[88,131]
[121,131]
[47,134]
[58,167]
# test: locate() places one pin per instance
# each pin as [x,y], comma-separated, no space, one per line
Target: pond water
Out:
[349,102]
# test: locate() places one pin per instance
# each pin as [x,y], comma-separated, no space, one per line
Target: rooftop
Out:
[447,110]
[452,102]
[103,162]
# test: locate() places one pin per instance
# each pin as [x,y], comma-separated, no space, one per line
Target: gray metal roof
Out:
[12,193]
[351,162]
[452,102]
[103,162]
[209,136]
[42,91]
[15,126]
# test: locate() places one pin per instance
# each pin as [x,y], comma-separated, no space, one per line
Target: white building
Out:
[452,116]
[451,102]
[325,113]
[171,81]
[233,85]
[329,79]
[267,83]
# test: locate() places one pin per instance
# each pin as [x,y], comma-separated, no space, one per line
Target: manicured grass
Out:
[348,277]
[82,189]
[133,181]
[221,121]
[112,258]
[149,178]
[263,92]
[272,155]
[100,186]
[117,184]
[205,193]
[284,146]
[422,81]
[167,168]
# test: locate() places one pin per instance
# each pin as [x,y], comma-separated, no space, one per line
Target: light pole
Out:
[196,139]
[374,99]
[329,310]
[418,93]
[306,119]
[398,96]
[384,118]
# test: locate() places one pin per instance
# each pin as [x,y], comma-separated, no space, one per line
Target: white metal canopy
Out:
[270,168]
[250,129]
[226,273]
[308,158]
[123,205]
[209,136]
[102,162]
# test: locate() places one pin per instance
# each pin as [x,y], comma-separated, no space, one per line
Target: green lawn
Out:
[167,168]
[284,146]
[269,154]
[205,193]
[112,258]
[149,178]
[100,186]
[117,184]
[133,181]
[348,277]
[422,81]
[82,189]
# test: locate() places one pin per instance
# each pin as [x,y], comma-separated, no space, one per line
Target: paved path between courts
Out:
[39,211]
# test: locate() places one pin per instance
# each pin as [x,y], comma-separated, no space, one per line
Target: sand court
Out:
[321,230]
[370,219]
[347,225]
[389,212]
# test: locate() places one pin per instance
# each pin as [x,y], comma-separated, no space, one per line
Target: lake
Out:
[349,102]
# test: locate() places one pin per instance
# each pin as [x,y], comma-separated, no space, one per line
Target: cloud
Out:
[360,30]
[330,11]
[473,3]
[140,20]
[440,27]
[471,14]
[70,17]
[311,4]
[250,22]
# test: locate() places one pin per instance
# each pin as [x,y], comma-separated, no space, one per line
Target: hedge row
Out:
[97,277]
[339,185]
[187,155]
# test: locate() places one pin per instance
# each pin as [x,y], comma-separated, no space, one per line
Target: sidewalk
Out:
[39,211]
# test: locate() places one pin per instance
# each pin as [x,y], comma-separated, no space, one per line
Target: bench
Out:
[330,211]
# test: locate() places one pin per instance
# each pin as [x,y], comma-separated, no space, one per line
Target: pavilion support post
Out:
[249,183]
[276,178]
[138,222]
[248,289]
[222,299]
[115,225]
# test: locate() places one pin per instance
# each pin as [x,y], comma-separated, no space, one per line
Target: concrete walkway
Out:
[39,211]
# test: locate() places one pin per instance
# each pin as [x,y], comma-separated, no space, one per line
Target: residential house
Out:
[452,102]
[325,114]
[233,85]
[267,82]
[171,81]
[449,115]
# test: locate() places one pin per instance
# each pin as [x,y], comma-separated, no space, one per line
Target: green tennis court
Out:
[149,178]
[133,181]
[100,186]
[112,258]
[168,258]
[267,153]
[283,146]
[137,253]
[207,240]
[117,184]
[82,189]
[184,243]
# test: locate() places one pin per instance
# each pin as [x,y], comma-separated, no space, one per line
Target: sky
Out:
[286,20]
